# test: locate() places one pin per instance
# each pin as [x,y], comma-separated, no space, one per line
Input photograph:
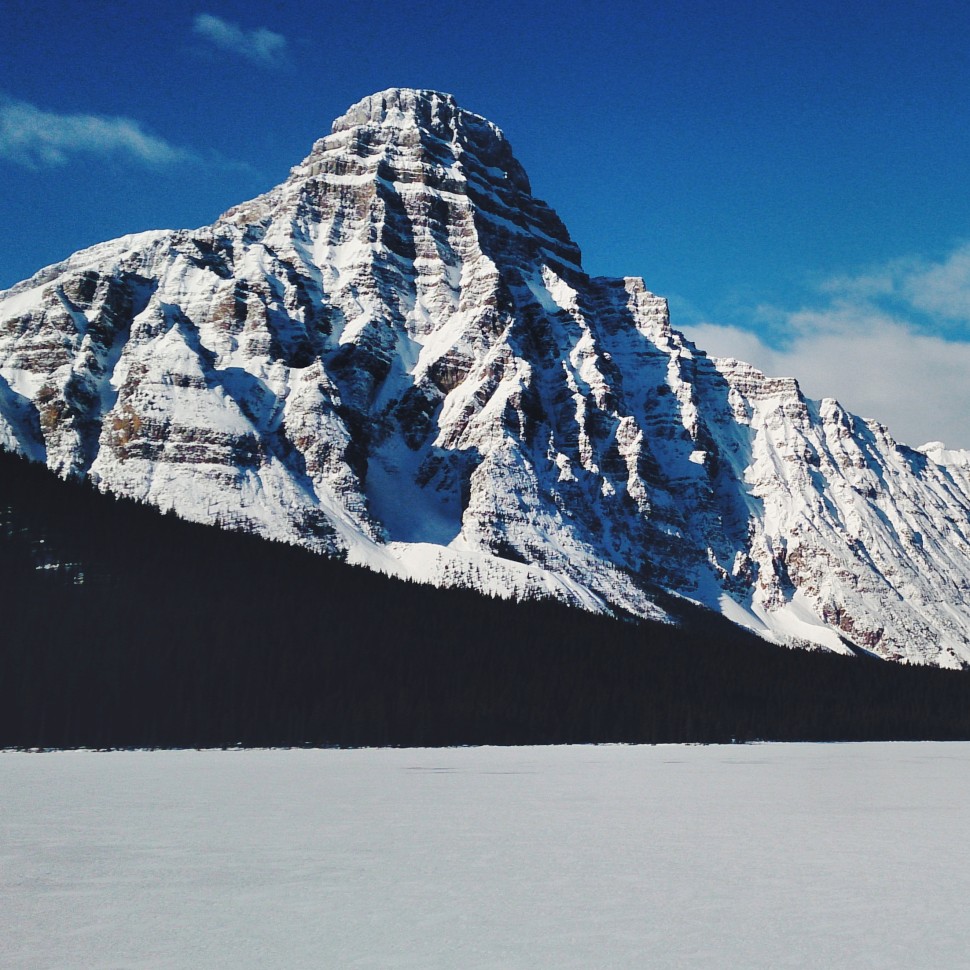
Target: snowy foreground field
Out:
[595,857]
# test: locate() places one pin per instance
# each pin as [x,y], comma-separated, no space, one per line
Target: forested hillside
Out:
[123,627]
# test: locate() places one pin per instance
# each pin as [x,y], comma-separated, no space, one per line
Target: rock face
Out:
[396,357]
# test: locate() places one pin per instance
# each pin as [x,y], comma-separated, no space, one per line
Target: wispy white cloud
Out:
[33,137]
[942,288]
[261,46]
[891,344]
[938,288]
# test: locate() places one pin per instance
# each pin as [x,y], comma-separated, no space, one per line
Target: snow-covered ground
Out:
[593,857]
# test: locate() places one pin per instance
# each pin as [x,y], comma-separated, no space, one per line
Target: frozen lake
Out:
[576,857]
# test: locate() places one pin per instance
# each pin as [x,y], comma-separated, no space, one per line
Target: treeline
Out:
[122,627]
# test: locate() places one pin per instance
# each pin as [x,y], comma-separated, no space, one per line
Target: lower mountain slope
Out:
[126,628]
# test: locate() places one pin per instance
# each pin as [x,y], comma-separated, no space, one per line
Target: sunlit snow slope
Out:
[395,356]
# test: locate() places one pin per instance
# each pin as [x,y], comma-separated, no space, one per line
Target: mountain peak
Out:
[404,108]
[407,140]
[403,117]
[396,357]
[434,112]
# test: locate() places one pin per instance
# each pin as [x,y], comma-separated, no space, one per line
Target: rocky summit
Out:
[395,357]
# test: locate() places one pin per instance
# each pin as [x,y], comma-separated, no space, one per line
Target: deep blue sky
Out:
[754,162]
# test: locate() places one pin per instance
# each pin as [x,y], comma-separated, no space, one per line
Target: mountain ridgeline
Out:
[126,628]
[395,358]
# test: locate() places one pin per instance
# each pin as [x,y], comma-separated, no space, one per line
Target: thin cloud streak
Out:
[943,288]
[261,46]
[35,138]
[869,344]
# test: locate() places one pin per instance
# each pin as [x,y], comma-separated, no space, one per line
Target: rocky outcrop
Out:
[396,357]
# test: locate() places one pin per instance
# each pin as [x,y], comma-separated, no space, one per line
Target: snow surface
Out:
[739,856]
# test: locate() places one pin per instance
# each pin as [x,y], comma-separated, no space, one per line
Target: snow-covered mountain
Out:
[396,357]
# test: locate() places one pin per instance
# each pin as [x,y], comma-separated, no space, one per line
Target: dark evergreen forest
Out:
[123,627]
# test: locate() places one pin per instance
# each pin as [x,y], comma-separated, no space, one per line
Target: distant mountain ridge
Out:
[396,358]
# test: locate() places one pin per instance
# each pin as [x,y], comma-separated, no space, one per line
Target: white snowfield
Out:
[395,356]
[800,856]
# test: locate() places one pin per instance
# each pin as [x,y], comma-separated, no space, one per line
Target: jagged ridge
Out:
[396,357]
